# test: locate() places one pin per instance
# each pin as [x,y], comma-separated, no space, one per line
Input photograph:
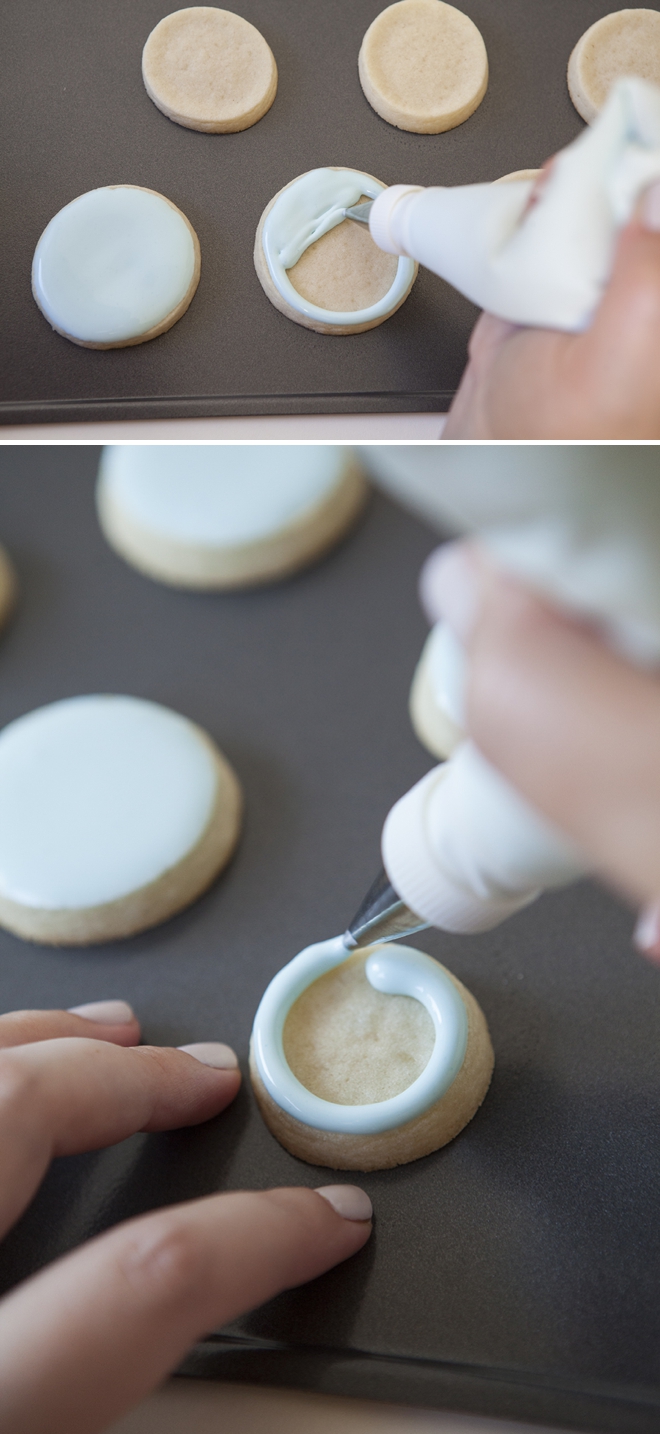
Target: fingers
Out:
[110,1320]
[62,1096]
[570,723]
[99,1020]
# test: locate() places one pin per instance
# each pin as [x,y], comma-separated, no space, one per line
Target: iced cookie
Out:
[423,66]
[209,69]
[226,516]
[116,267]
[320,269]
[7,586]
[114,814]
[367,1061]
[432,703]
[626,42]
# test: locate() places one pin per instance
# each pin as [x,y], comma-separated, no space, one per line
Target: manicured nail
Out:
[646,935]
[349,1201]
[650,214]
[450,589]
[213,1053]
[105,1013]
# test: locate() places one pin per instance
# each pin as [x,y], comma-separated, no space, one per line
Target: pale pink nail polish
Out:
[349,1201]
[450,589]
[646,935]
[212,1053]
[105,1013]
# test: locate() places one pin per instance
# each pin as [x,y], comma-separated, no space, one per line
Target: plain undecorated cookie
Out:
[209,70]
[627,42]
[517,174]
[226,516]
[423,66]
[343,271]
[349,1043]
[114,814]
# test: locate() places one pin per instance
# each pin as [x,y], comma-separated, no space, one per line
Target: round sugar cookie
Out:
[8,586]
[114,814]
[225,515]
[423,66]
[351,1044]
[210,70]
[323,272]
[116,267]
[627,42]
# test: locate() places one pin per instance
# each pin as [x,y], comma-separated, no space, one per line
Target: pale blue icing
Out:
[394,970]
[113,264]
[304,211]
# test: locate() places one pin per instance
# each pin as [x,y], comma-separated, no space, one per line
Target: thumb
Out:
[112,1319]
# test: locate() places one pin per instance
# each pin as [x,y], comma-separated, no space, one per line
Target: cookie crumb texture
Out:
[350,1044]
[627,42]
[423,66]
[209,70]
[344,270]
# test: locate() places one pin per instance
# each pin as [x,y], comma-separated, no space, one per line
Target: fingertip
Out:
[349,1201]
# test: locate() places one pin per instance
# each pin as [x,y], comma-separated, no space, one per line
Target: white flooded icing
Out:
[98,797]
[220,496]
[113,264]
[306,210]
[394,970]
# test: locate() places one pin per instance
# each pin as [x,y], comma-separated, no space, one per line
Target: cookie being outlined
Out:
[302,235]
[226,516]
[114,814]
[116,267]
[350,1073]
[209,69]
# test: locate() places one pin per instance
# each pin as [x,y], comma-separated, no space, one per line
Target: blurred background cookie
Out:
[627,42]
[226,516]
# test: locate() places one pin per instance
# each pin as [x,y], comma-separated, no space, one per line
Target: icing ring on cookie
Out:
[395,971]
[115,267]
[303,212]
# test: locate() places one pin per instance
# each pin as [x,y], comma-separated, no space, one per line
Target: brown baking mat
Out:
[74,115]
[517,1271]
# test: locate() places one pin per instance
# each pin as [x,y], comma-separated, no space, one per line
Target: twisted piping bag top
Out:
[545,264]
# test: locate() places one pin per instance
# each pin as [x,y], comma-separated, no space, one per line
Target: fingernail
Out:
[105,1013]
[450,589]
[349,1201]
[650,215]
[213,1053]
[646,935]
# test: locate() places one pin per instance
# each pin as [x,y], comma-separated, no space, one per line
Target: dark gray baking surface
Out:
[517,1271]
[74,115]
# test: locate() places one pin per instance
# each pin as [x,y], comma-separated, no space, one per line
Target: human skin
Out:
[602,383]
[572,724]
[91,1334]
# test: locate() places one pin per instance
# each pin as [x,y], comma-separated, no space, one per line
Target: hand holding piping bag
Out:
[579,268]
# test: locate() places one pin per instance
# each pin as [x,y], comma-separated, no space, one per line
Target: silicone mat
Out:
[516,1272]
[74,115]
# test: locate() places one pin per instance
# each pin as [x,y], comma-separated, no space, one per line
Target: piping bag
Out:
[463,850]
[537,253]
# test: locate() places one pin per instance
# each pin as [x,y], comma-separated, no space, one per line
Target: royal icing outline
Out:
[308,208]
[394,970]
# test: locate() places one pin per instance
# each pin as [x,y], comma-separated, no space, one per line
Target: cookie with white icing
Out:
[114,814]
[116,267]
[423,66]
[324,271]
[333,1072]
[209,69]
[627,42]
[226,515]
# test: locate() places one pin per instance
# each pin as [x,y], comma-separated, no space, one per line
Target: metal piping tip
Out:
[383,916]
[359,212]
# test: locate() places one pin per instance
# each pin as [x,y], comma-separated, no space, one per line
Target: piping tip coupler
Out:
[387,219]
